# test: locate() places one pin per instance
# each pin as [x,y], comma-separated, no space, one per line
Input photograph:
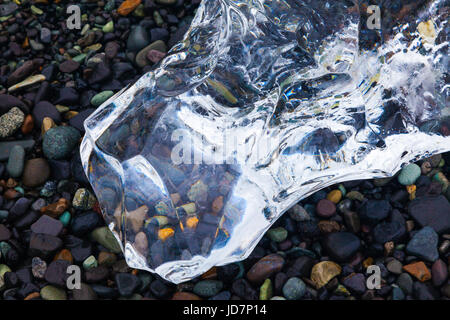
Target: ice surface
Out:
[263,103]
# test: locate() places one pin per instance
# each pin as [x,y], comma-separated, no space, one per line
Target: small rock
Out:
[323,272]
[433,211]
[98,99]
[424,244]
[127,283]
[105,237]
[341,246]
[355,282]
[418,270]
[409,174]
[278,234]
[374,211]
[294,289]
[53,293]
[325,208]
[208,288]
[84,293]
[83,199]
[10,122]
[69,66]
[38,267]
[439,273]
[47,225]
[59,142]
[265,268]
[16,161]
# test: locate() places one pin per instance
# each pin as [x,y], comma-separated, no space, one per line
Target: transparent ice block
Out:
[263,103]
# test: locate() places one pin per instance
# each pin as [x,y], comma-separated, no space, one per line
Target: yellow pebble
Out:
[192,222]
[335,196]
[165,233]
[368,262]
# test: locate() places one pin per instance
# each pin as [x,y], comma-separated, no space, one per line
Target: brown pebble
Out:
[28,124]
[32,296]
[54,210]
[64,254]
[36,172]
[418,270]
[185,296]
[327,226]
[265,267]
[325,208]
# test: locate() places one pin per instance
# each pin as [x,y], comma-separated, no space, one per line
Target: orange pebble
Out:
[418,270]
[192,222]
[210,274]
[128,6]
[32,296]
[64,254]
[165,233]
[28,124]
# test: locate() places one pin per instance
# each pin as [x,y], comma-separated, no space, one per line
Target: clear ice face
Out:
[263,103]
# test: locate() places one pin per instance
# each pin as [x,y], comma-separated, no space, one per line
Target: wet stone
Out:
[424,244]
[294,289]
[208,288]
[341,245]
[265,267]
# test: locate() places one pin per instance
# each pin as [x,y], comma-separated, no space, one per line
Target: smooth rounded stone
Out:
[5,234]
[374,211]
[433,211]
[138,39]
[59,142]
[90,263]
[424,244]
[98,99]
[8,101]
[96,274]
[278,234]
[106,238]
[394,266]
[323,272]
[208,288]
[294,289]
[142,59]
[47,225]
[105,292]
[325,208]
[6,146]
[389,231]
[439,273]
[84,223]
[244,290]
[127,283]
[298,213]
[38,267]
[419,270]
[36,172]
[84,293]
[19,208]
[397,293]
[69,66]
[53,293]
[409,174]
[10,122]
[301,267]
[83,199]
[341,246]
[3,215]
[266,290]
[44,245]
[45,109]
[111,49]
[56,272]
[424,291]
[78,121]
[16,161]
[67,96]
[181,295]
[355,282]
[264,268]
[21,73]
